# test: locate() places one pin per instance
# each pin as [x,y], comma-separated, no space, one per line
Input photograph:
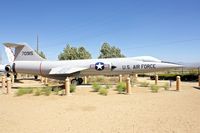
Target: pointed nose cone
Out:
[174,65]
[170,65]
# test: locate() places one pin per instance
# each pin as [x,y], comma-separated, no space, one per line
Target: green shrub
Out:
[108,86]
[22,91]
[121,87]
[56,90]
[154,88]
[184,77]
[46,91]
[103,91]
[62,92]
[134,81]
[96,87]
[99,79]
[29,91]
[144,84]
[72,88]
[166,86]
[37,92]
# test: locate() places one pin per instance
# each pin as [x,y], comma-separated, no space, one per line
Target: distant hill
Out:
[192,65]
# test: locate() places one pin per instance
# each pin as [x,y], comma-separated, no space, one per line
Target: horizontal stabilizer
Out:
[65,70]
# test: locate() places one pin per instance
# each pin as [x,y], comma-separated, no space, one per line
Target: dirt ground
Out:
[88,112]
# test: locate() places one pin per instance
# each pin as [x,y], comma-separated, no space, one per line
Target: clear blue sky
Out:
[166,29]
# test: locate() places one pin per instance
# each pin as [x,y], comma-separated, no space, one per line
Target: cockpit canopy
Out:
[146,59]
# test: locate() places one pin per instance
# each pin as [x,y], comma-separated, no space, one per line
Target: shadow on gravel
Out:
[198,88]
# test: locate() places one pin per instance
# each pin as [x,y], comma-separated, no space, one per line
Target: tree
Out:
[41,54]
[108,51]
[73,53]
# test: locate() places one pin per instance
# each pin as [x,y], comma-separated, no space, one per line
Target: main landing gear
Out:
[35,77]
[77,81]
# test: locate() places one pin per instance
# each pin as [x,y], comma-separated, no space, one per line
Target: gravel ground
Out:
[88,112]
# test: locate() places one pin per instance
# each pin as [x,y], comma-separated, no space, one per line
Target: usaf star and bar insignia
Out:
[99,66]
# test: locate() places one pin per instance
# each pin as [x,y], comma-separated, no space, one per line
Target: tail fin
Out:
[22,52]
[9,54]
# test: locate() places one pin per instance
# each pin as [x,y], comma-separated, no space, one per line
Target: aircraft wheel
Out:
[7,75]
[36,77]
[80,81]
[74,82]
[15,76]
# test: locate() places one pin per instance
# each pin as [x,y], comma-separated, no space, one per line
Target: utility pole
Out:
[37,44]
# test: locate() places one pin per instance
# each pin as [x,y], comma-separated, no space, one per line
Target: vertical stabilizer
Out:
[9,54]
[22,52]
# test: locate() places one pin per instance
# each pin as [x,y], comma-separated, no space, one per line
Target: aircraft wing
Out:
[65,70]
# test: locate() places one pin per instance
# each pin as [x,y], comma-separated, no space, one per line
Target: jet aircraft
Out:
[26,60]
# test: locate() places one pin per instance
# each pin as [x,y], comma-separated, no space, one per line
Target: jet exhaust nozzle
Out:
[8,68]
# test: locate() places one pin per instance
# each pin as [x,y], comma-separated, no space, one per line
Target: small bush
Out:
[56,90]
[22,91]
[166,86]
[37,92]
[96,87]
[144,84]
[184,77]
[46,91]
[154,88]
[121,87]
[29,91]
[134,81]
[108,86]
[103,91]
[62,92]
[100,79]
[72,88]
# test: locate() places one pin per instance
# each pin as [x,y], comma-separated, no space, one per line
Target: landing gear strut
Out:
[78,81]
[36,77]
[15,76]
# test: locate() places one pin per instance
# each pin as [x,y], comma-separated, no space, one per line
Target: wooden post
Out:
[8,85]
[170,83]
[85,80]
[67,87]
[12,79]
[128,86]
[135,76]
[199,80]
[156,79]
[120,78]
[41,79]
[178,80]
[3,82]
[46,80]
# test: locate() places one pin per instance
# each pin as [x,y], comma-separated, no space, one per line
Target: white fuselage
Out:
[114,66]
